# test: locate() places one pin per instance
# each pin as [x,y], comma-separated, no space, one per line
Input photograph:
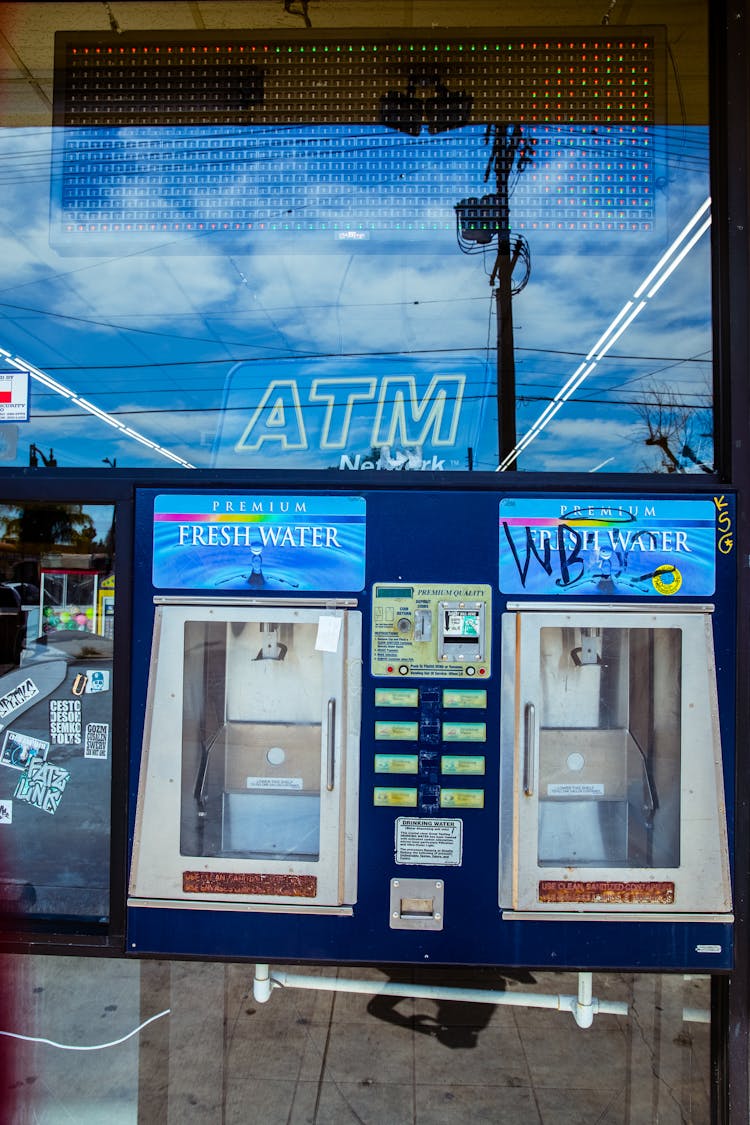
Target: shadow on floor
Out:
[456,1023]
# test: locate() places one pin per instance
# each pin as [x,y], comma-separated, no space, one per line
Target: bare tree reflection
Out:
[681,431]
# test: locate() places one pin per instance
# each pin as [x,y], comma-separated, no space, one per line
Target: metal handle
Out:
[529,739]
[200,781]
[330,744]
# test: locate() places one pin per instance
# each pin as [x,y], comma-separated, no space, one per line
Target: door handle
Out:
[529,748]
[331,745]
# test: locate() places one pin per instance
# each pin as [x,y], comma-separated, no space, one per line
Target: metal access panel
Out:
[612,763]
[250,756]
[426,629]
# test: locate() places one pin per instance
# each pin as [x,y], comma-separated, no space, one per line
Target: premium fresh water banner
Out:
[641,548]
[240,541]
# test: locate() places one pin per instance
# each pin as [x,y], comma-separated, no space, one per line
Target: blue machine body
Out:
[455,541]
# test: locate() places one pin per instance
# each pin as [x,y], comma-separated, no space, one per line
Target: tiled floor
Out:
[321,1058]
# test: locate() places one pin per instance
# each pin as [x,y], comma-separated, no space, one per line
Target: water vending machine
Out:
[433,725]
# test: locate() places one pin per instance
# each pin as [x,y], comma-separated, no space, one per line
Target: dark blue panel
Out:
[432,536]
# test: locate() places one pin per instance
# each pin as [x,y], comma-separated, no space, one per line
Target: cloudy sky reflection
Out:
[309,344]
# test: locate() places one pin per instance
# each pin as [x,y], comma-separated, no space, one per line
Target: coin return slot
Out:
[417,907]
[416,904]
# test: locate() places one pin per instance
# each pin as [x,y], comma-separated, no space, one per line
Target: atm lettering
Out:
[339,396]
[277,418]
[402,416]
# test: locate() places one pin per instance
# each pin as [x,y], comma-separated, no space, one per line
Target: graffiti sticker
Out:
[96,740]
[18,750]
[65,722]
[97,680]
[18,697]
[42,786]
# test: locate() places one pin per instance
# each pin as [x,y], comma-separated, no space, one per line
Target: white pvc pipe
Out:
[262,984]
[582,1007]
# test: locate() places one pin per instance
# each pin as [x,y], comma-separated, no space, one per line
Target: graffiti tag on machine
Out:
[725,537]
[642,548]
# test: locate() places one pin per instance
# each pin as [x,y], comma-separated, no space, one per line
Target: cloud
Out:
[428,302]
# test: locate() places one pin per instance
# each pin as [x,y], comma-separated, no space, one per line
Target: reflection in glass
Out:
[609,747]
[253,705]
[276,279]
[55,710]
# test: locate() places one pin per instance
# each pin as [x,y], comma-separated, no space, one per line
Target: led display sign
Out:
[186,138]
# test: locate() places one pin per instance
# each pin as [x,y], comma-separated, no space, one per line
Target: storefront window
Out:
[56,616]
[381,246]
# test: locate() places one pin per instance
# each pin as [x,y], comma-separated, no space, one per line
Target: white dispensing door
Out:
[612,791]
[249,775]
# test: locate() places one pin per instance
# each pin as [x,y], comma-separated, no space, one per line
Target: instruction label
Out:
[382,797]
[454,697]
[576,789]
[396,763]
[274,783]
[396,697]
[434,843]
[464,732]
[396,732]
[431,630]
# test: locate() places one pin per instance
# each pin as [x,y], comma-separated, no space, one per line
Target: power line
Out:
[690,234]
[474,349]
[316,407]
